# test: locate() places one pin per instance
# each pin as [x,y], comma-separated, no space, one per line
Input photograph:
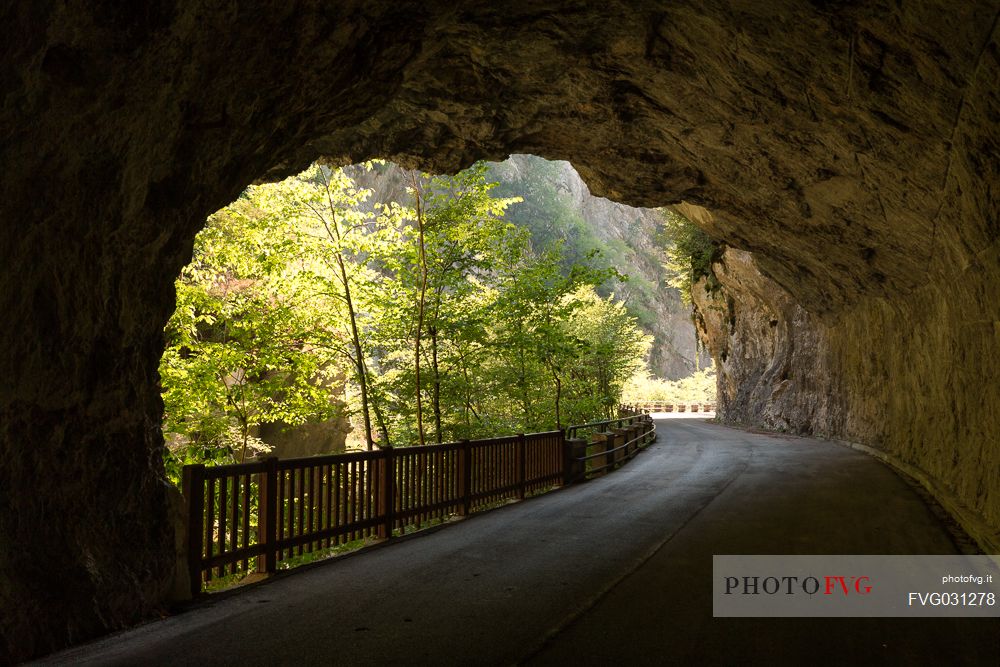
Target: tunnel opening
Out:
[374,307]
[296,281]
[849,164]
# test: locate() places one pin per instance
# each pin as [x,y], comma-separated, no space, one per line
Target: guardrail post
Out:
[465,481]
[267,516]
[574,449]
[522,464]
[609,444]
[619,439]
[386,501]
[193,487]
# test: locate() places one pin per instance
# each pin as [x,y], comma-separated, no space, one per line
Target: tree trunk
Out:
[420,306]
[382,428]
[468,397]
[558,380]
[245,428]
[525,403]
[436,388]
[359,357]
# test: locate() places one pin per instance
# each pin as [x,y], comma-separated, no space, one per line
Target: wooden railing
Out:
[257,517]
[577,430]
[663,406]
[606,445]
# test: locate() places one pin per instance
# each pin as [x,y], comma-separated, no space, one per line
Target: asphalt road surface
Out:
[613,571]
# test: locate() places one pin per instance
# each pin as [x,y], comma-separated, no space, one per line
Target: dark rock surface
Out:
[851,146]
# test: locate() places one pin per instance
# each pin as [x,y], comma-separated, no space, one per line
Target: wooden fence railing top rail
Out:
[595,427]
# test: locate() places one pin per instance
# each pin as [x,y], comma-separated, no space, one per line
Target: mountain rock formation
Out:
[558,206]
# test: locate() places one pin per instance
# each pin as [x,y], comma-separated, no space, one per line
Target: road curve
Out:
[616,570]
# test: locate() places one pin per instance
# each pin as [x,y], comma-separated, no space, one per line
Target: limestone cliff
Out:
[630,239]
[627,236]
[770,352]
[908,383]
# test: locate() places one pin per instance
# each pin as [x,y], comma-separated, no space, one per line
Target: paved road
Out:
[614,571]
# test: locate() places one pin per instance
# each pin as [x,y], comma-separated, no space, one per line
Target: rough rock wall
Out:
[851,146]
[309,439]
[770,353]
[915,378]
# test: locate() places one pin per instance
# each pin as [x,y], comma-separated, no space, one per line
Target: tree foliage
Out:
[699,388]
[429,319]
[247,341]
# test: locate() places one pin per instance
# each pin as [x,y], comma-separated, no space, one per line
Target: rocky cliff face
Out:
[908,383]
[628,237]
[771,354]
[630,240]
[852,147]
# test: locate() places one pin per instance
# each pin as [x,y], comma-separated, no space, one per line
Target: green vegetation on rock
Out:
[690,253]
[560,213]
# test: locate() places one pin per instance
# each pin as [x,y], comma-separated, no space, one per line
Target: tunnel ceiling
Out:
[851,146]
[821,135]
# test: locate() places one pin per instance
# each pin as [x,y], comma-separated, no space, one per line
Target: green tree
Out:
[240,347]
[324,207]
[467,235]
[612,349]
[441,258]
[441,313]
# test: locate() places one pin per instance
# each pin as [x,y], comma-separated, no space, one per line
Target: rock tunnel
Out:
[845,152]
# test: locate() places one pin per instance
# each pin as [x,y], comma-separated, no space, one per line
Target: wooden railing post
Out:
[598,443]
[609,445]
[267,516]
[522,464]
[621,437]
[193,487]
[574,449]
[386,500]
[465,481]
